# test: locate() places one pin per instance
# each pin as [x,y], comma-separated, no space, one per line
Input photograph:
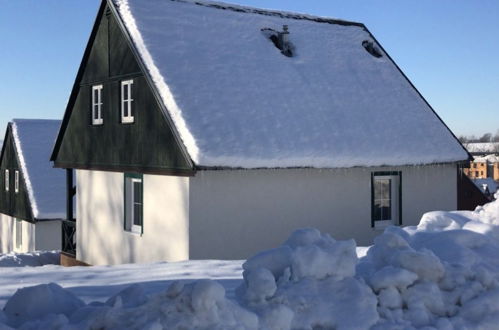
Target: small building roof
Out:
[34,139]
[482,148]
[236,101]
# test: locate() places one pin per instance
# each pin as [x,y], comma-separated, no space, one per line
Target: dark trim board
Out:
[127,169]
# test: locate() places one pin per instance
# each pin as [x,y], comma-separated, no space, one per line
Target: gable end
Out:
[148,145]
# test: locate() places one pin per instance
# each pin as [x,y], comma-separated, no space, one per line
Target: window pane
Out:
[137,214]
[96,96]
[382,199]
[125,109]
[137,192]
[125,92]
[96,112]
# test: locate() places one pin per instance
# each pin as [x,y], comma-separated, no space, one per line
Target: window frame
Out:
[97,105]
[395,199]
[129,203]
[129,118]
[16,181]
[7,180]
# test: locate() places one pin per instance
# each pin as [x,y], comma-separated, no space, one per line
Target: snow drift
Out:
[442,274]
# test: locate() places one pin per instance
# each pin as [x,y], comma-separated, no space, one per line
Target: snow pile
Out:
[33,259]
[198,305]
[308,282]
[39,302]
[442,274]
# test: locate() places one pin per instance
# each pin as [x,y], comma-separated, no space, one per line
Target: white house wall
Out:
[48,235]
[28,237]
[101,238]
[234,214]
[44,235]
[6,233]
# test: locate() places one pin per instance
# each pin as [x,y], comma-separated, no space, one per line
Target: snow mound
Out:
[442,274]
[308,283]
[39,301]
[32,259]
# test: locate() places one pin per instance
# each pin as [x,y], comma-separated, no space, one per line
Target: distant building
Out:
[32,192]
[484,167]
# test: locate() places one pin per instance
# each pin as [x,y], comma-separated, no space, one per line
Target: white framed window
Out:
[7,183]
[19,234]
[16,181]
[386,199]
[126,102]
[134,203]
[97,105]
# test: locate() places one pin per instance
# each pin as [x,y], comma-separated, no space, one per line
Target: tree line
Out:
[487,137]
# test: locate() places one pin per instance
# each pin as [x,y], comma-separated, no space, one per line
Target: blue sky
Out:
[449,49]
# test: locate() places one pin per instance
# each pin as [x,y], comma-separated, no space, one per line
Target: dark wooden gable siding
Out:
[149,145]
[12,203]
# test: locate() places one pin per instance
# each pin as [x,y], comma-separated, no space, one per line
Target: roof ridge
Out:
[269,12]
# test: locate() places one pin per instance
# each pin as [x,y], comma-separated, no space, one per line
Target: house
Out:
[208,130]
[482,167]
[32,192]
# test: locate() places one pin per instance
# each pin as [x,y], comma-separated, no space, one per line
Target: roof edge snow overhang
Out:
[460,163]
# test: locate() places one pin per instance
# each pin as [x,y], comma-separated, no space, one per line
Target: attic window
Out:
[371,48]
[280,39]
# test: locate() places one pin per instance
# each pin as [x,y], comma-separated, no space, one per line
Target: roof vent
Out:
[371,48]
[280,39]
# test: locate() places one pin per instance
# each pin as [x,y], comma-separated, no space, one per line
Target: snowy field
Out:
[442,274]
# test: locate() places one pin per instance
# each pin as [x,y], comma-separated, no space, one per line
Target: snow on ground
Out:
[32,259]
[441,274]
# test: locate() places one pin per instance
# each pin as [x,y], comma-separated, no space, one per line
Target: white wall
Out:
[101,238]
[44,235]
[48,235]
[234,214]
[6,233]
[28,239]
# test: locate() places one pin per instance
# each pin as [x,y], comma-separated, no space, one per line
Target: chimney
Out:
[283,40]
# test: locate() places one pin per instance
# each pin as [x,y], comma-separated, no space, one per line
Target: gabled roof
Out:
[236,101]
[34,139]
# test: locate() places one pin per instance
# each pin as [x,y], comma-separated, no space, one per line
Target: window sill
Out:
[127,120]
[134,232]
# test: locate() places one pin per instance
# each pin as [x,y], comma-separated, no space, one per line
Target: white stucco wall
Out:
[45,235]
[101,238]
[28,239]
[48,235]
[6,233]
[234,214]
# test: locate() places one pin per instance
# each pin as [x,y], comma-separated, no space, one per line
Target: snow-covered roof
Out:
[487,158]
[483,147]
[34,139]
[486,184]
[236,101]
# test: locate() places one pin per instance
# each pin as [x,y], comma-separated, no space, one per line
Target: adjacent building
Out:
[206,130]
[32,192]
